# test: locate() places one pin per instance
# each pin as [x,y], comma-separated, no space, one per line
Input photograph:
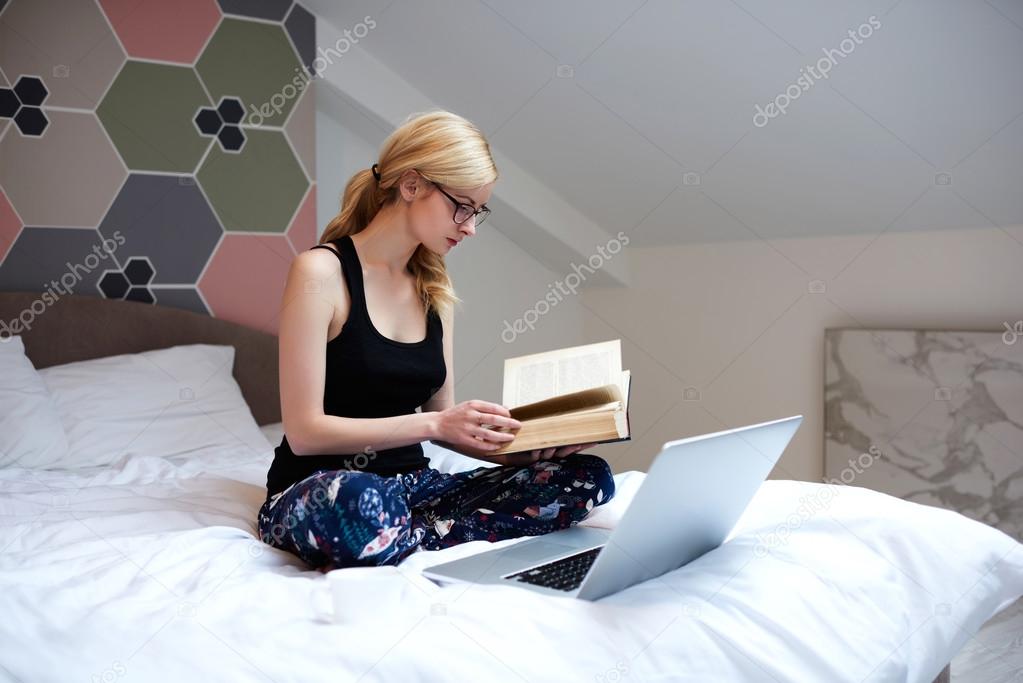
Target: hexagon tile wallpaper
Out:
[161,152]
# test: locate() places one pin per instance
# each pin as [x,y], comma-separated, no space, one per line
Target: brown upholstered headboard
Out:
[76,327]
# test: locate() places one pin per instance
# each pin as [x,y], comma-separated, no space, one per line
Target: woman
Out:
[366,338]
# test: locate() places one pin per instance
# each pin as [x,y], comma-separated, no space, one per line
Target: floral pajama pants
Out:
[346,518]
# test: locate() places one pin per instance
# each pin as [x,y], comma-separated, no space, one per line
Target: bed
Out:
[146,566]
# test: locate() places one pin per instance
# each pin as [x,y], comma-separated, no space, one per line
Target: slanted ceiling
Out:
[640,116]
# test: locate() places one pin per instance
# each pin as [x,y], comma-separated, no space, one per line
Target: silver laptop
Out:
[693,494]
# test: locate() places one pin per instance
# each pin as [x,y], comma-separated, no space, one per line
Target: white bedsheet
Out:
[150,570]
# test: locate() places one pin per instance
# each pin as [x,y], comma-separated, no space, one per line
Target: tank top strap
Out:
[351,269]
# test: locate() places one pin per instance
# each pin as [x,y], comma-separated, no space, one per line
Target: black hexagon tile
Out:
[231,138]
[230,110]
[222,123]
[30,90]
[139,270]
[31,121]
[131,283]
[140,294]
[208,121]
[113,284]
[22,103]
[8,103]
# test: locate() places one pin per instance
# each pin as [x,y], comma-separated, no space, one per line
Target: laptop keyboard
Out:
[565,574]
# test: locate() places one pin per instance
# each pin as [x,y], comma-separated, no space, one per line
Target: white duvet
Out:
[149,570]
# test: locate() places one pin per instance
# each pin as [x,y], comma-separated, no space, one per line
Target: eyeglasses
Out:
[462,211]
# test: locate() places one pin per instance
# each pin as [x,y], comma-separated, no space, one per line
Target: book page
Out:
[538,376]
[576,401]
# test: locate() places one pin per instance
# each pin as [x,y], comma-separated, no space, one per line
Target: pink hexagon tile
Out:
[244,281]
[302,231]
[10,226]
[157,29]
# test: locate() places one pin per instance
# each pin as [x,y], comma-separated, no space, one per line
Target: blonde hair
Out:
[446,148]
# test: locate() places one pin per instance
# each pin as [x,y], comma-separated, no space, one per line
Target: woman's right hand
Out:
[471,424]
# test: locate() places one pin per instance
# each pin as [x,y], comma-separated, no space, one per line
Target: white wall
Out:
[737,322]
[343,146]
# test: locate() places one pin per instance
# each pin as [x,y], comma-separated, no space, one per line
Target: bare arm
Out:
[313,289]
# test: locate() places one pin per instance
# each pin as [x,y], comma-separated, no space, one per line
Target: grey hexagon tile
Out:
[180,297]
[301,28]
[73,161]
[11,99]
[68,42]
[39,258]
[167,219]
[261,9]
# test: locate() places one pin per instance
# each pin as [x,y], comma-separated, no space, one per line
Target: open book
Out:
[569,396]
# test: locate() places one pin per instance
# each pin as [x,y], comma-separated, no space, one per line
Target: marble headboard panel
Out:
[930,416]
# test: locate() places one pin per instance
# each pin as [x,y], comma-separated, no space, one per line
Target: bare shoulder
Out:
[316,271]
[319,265]
[317,261]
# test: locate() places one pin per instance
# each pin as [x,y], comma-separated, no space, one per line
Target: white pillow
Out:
[31,434]
[449,461]
[166,402]
[274,433]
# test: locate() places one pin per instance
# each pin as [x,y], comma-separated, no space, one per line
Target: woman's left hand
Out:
[529,457]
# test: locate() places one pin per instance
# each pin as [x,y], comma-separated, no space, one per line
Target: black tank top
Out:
[368,375]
